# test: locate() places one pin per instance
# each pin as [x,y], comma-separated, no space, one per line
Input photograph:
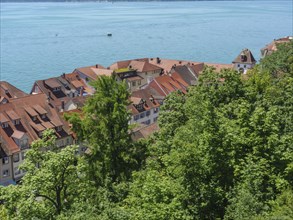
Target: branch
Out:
[47,197]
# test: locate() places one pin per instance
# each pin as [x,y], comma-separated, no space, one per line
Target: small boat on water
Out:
[109,34]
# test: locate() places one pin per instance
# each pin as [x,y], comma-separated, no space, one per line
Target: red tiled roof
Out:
[3,118]
[220,66]
[142,95]
[39,109]
[9,91]
[12,115]
[24,107]
[144,131]
[17,134]
[76,83]
[30,111]
[247,57]
[52,83]
[167,64]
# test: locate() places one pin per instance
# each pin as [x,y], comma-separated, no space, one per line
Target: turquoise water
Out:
[41,40]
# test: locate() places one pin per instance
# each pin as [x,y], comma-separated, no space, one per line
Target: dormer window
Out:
[59,128]
[43,116]
[34,118]
[16,122]
[56,89]
[4,125]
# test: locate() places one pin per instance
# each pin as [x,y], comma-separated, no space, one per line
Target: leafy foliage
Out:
[224,151]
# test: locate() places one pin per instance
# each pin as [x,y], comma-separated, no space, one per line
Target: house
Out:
[8,91]
[271,47]
[90,73]
[164,85]
[22,121]
[61,90]
[144,107]
[244,61]
[136,73]
[187,75]
[144,131]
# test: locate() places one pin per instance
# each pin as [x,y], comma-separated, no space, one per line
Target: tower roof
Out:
[245,57]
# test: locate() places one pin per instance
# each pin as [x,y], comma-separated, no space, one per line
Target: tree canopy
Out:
[224,151]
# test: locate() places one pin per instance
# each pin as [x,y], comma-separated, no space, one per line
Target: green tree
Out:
[49,185]
[103,125]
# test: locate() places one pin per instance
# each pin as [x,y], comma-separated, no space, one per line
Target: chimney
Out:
[63,75]
[97,66]
[158,60]
[62,105]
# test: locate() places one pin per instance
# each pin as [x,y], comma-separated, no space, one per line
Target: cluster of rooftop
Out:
[23,117]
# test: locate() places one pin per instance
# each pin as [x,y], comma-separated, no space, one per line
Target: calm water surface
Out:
[41,40]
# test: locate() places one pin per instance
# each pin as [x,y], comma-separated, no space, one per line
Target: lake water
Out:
[42,40]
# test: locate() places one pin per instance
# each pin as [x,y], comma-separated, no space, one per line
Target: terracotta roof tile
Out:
[17,134]
[39,109]
[30,111]
[52,83]
[9,91]
[12,115]
[3,118]
[23,107]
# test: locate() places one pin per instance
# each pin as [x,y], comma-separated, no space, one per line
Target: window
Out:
[5,125]
[17,171]
[156,110]
[139,82]
[43,116]
[59,128]
[238,65]
[146,73]
[147,122]
[244,66]
[67,141]
[15,158]
[133,83]
[142,115]
[23,143]
[22,155]
[148,113]
[34,118]
[5,173]
[5,160]
[16,122]
[56,89]
[136,117]
[155,119]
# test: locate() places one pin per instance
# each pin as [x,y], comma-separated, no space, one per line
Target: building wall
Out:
[149,76]
[17,173]
[4,167]
[143,118]
[245,67]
